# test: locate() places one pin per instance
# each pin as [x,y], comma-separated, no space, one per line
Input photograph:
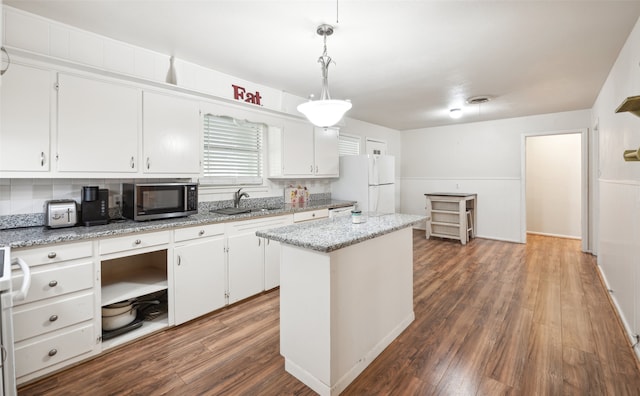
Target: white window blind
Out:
[348,145]
[232,151]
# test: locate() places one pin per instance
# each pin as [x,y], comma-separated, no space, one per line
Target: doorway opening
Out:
[555,185]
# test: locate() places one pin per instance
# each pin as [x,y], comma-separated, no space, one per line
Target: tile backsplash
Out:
[23,196]
[22,200]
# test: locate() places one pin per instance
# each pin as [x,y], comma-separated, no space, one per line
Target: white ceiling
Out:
[402,63]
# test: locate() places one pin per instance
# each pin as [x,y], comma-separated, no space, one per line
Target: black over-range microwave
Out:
[151,201]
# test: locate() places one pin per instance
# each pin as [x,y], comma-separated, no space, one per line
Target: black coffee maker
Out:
[95,206]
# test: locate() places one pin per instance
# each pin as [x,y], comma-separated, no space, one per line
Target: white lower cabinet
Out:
[199,278]
[245,266]
[253,263]
[54,326]
[271,263]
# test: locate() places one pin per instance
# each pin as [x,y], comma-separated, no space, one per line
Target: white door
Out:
[375,147]
[382,198]
[199,278]
[326,156]
[245,266]
[271,264]
[25,119]
[297,150]
[98,125]
[171,134]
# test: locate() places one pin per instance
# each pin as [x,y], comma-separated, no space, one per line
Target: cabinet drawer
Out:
[55,280]
[310,215]
[62,345]
[113,245]
[38,319]
[54,253]
[204,231]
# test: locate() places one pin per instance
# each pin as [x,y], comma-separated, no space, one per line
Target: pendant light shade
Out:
[325,112]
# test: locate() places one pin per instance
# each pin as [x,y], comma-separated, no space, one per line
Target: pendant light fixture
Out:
[325,112]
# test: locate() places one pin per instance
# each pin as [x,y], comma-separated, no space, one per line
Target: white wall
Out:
[553,178]
[619,184]
[483,158]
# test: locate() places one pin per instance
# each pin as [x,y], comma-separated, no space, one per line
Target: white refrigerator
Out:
[368,179]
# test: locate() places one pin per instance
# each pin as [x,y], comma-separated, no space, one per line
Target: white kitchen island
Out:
[346,292]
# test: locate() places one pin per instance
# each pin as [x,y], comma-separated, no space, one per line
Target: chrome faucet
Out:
[237,196]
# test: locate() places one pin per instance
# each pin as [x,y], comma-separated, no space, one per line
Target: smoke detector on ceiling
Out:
[478,99]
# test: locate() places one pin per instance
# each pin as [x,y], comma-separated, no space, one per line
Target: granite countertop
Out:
[40,235]
[332,234]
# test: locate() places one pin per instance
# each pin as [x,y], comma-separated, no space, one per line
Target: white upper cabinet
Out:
[98,125]
[300,150]
[25,119]
[327,160]
[297,150]
[172,134]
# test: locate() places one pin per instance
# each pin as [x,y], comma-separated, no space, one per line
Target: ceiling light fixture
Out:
[455,113]
[325,112]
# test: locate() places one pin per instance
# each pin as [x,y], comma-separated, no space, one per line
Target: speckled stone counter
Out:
[332,234]
[32,236]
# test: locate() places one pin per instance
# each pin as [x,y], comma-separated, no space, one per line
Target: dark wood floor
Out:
[492,318]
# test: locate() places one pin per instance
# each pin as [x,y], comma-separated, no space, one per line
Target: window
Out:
[348,145]
[232,151]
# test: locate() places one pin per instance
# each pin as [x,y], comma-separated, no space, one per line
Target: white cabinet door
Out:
[171,137]
[245,266]
[25,119]
[297,150]
[327,160]
[199,278]
[271,264]
[98,125]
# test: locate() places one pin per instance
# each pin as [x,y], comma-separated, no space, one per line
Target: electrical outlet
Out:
[117,200]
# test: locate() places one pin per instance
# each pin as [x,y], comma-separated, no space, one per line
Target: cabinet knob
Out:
[137,242]
[53,318]
[52,255]
[53,283]
[201,233]
[53,352]
[313,215]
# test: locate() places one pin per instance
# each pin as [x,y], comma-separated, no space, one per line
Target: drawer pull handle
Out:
[53,352]
[53,283]
[52,255]
[179,260]
[201,233]
[53,318]
[137,242]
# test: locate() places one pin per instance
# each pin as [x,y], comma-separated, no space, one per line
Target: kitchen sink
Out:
[234,211]
[231,211]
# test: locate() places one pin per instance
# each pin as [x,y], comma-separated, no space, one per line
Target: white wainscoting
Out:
[619,247]
[498,205]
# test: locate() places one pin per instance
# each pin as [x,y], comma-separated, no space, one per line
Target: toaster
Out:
[60,213]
